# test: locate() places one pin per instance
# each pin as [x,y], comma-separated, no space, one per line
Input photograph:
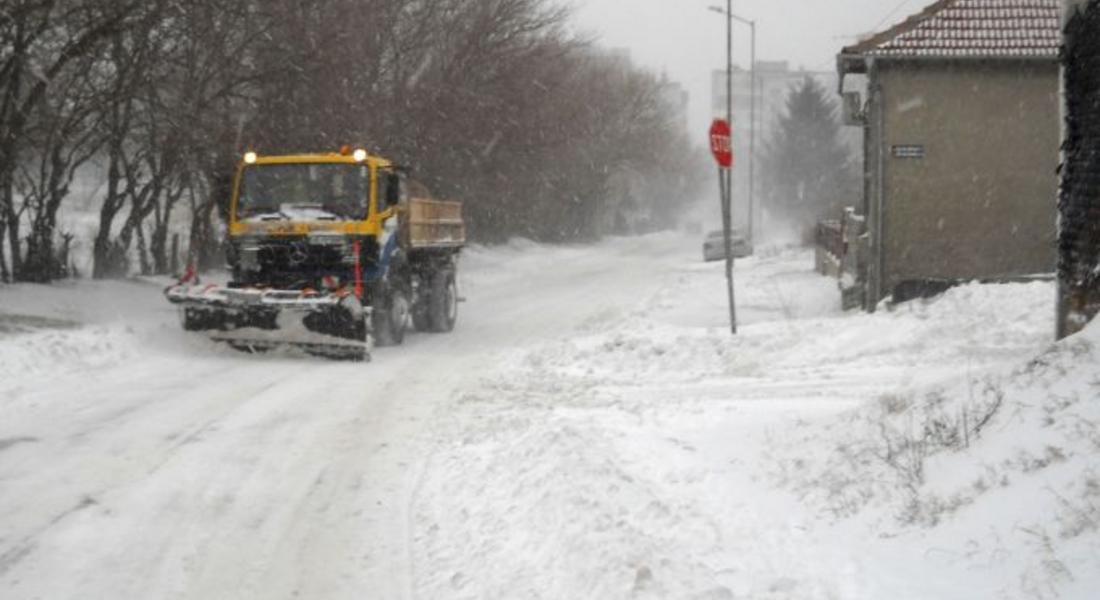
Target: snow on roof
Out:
[972,29]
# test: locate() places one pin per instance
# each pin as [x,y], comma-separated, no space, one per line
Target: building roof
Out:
[985,29]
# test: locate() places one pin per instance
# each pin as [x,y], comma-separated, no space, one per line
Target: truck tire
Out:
[443,302]
[399,316]
[391,320]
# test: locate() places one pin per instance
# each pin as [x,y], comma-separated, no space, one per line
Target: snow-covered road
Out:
[135,462]
[588,431]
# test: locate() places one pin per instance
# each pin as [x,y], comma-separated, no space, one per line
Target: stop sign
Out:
[720,143]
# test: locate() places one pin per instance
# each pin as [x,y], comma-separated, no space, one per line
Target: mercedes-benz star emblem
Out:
[298,253]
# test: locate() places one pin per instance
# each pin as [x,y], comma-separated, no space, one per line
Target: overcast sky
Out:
[687,41]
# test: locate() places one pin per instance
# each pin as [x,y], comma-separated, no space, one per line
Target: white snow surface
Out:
[591,429]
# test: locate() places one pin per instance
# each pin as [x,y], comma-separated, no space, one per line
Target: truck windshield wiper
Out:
[284,215]
[327,213]
[270,216]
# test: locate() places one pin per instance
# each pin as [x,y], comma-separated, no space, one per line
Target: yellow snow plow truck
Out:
[329,252]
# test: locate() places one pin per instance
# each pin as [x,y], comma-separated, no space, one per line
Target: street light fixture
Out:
[728,13]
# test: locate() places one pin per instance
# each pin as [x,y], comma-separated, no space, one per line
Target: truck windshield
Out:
[304,192]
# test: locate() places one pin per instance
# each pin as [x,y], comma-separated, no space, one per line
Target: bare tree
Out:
[186,84]
[492,102]
[43,41]
[62,139]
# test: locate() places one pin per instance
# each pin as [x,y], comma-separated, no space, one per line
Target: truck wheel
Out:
[443,302]
[399,317]
[391,320]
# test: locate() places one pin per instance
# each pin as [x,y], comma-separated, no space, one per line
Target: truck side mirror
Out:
[393,190]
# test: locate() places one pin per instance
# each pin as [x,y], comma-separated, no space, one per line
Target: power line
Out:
[877,27]
[891,14]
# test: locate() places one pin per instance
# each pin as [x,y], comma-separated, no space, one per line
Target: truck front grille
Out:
[291,263]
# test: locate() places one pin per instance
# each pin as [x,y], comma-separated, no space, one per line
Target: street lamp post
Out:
[752,136]
[728,12]
[729,119]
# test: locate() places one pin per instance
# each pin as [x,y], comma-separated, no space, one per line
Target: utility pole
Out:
[727,204]
[752,140]
[729,84]
[721,145]
[730,17]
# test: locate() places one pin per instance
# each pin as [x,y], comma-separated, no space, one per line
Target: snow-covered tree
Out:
[808,172]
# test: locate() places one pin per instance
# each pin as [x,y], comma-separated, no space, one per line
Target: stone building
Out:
[960,116]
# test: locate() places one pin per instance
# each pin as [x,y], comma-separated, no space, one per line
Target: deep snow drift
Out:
[590,430]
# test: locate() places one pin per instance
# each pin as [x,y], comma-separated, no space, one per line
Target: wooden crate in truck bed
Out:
[432,224]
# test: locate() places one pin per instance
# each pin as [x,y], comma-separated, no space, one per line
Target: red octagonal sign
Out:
[720,143]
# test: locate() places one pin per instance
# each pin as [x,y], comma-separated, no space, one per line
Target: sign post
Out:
[721,145]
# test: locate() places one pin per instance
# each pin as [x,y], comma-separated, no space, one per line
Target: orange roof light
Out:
[345,150]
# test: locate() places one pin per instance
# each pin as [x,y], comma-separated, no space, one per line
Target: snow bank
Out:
[996,464]
[55,353]
[647,453]
[791,327]
[590,430]
[80,328]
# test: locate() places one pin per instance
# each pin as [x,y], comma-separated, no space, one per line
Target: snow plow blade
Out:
[255,320]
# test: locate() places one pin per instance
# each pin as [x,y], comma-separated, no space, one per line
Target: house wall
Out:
[981,202]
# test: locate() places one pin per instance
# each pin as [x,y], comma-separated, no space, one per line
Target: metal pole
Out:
[727,200]
[752,142]
[729,91]
[724,195]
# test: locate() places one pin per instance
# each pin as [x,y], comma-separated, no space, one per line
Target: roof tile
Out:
[973,29]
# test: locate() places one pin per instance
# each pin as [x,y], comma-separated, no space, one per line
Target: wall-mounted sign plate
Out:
[908,151]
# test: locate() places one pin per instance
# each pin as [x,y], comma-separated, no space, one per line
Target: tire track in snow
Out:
[23,548]
[151,464]
[309,486]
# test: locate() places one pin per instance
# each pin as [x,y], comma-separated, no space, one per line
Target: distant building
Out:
[774,81]
[1079,235]
[961,130]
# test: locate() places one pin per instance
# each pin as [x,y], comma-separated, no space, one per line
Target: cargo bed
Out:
[429,224]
